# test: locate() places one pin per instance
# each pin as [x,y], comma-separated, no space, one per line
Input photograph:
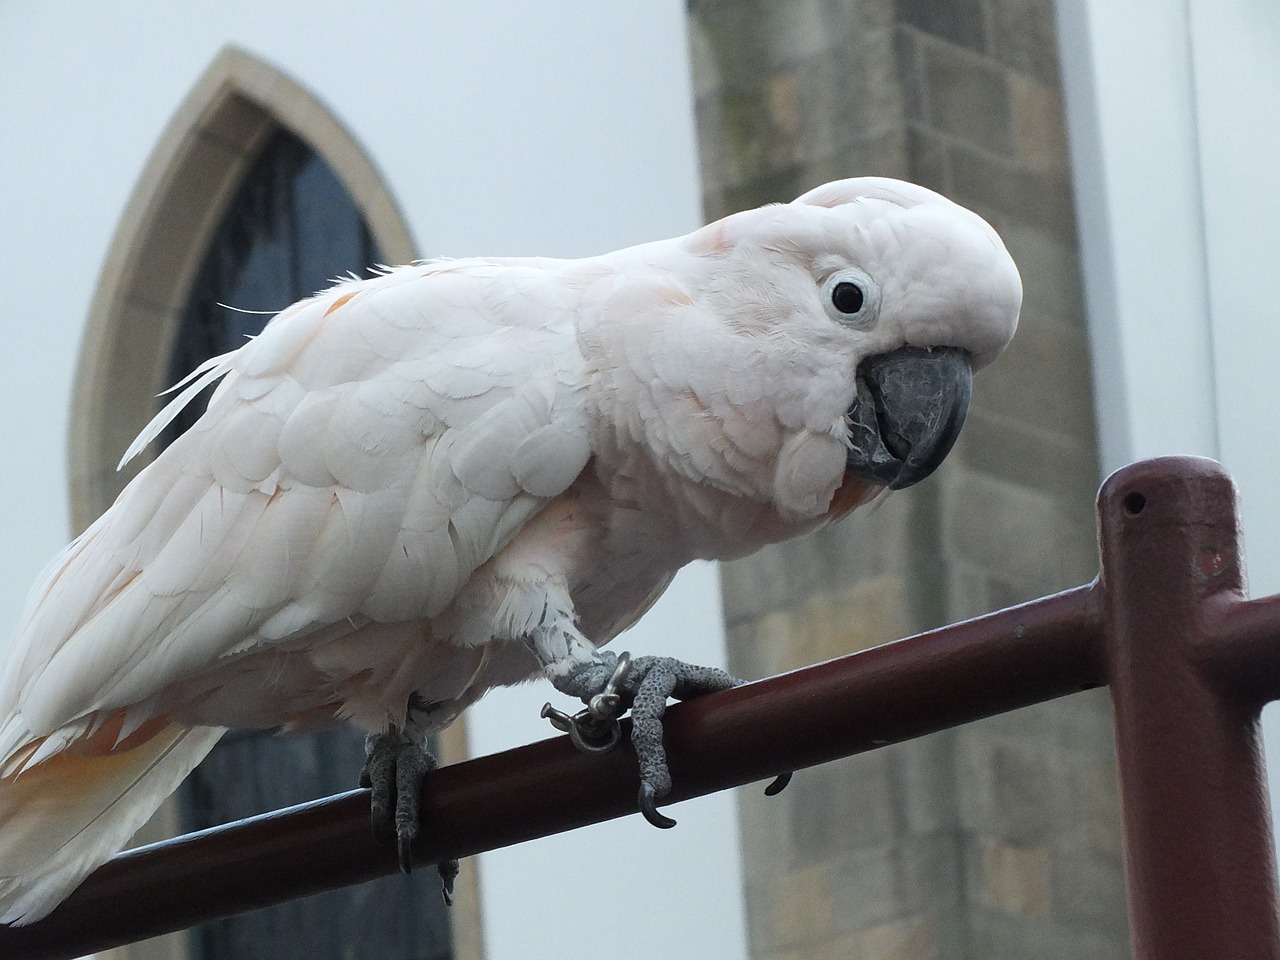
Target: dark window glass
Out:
[291,229]
[289,232]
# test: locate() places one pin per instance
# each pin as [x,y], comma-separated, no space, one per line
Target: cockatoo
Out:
[461,474]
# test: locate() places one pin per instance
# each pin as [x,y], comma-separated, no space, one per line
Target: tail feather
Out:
[63,817]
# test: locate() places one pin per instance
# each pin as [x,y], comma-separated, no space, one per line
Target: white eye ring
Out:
[851,298]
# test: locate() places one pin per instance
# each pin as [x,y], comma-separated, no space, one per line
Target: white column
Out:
[1174,117]
[1129,87]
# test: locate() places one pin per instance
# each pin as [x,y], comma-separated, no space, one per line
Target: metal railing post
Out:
[1197,829]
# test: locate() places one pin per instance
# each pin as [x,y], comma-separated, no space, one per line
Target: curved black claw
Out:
[649,807]
[448,870]
[779,784]
[404,850]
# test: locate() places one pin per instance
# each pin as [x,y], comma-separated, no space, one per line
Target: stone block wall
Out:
[999,839]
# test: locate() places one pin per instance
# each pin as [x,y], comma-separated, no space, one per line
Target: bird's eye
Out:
[847,297]
[851,298]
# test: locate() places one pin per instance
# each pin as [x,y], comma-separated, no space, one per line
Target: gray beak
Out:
[911,404]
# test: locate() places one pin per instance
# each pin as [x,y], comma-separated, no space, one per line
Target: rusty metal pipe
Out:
[926,683]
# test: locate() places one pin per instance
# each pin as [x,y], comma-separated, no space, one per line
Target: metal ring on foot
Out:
[588,734]
[607,704]
[595,729]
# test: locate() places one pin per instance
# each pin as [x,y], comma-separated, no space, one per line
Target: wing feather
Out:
[359,459]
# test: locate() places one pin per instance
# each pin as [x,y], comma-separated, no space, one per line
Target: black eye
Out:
[846,297]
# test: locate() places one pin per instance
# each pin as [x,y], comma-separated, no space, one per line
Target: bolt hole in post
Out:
[1134,503]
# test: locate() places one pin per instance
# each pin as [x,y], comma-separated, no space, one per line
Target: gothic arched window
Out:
[255,195]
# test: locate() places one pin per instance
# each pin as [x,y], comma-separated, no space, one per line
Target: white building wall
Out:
[502,128]
[1236,59]
[1173,110]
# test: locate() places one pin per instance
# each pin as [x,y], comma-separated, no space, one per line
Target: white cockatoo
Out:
[461,474]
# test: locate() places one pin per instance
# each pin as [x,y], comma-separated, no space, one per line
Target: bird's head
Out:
[883,297]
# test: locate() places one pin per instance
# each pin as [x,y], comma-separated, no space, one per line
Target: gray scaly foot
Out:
[614,683]
[394,769]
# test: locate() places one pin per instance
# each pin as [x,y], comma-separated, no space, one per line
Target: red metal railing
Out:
[1189,660]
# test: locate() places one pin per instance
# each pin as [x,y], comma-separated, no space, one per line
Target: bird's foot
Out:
[395,766]
[614,683]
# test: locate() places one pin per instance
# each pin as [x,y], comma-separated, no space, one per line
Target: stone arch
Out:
[181,196]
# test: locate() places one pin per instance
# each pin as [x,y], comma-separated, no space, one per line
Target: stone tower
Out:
[999,839]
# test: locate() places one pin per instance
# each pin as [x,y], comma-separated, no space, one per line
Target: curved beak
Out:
[910,406]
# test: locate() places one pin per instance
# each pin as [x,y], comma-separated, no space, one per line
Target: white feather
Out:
[197,380]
